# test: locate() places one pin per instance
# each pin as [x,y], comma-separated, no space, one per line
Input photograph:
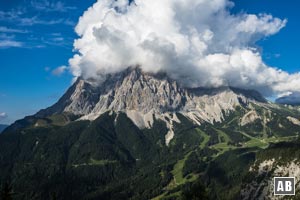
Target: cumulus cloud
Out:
[197,42]
[3,115]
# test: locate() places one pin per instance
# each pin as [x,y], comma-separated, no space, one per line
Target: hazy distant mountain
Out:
[293,99]
[2,127]
[141,136]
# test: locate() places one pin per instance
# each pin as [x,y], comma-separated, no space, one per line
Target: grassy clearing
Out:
[222,148]
[172,185]
[59,119]
[178,167]
[166,195]
[41,123]
[177,170]
[56,119]
[222,135]
[178,178]
[255,142]
[205,136]
[280,139]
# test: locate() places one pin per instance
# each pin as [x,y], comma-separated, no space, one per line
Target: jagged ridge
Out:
[145,97]
[133,90]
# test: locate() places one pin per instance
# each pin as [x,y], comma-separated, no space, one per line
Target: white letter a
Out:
[280,186]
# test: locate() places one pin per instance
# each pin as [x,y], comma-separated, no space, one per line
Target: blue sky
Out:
[283,49]
[36,37]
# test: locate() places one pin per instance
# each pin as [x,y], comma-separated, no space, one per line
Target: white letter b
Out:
[288,186]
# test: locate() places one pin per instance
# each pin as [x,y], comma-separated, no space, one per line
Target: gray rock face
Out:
[134,90]
[144,96]
[79,99]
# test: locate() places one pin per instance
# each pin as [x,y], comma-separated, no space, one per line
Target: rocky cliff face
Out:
[133,91]
[145,97]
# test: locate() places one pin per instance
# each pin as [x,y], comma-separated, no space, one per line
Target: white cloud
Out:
[10,43]
[198,42]
[3,115]
[11,15]
[36,21]
[48,6]
[4,29]
[58,39]
[21,17]
[59,71]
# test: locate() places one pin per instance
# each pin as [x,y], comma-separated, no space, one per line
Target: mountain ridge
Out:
[134,74]
[292,100]
[143,92]
[145,97]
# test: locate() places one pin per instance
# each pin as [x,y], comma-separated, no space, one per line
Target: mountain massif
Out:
[137,135]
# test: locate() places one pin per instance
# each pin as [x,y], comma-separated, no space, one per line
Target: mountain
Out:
[292,99]
[138,135]
[2,127]
[145,97]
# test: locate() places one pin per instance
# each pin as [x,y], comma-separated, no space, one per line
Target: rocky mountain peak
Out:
[145,97]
